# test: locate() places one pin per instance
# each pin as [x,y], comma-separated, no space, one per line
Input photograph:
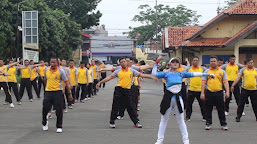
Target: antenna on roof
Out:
[218,8]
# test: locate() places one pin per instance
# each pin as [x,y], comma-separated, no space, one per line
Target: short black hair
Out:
[135,60]
[249,59]
[213,56]
[123,58]
[56,59]
[220,59]
[26,60]
[71,60]
[245,61]
[31,61]
[232,56]
[184,63]
[142,62]
[195,57]
[82,62]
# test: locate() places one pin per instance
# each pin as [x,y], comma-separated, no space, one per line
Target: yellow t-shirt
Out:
[94,69]
[249,78]
[215,84]
[73,73]
[90,75]
[82,75]
[181,69]
[12,72]
[125,77]
[135,81]
[54,79]
[26,72]
[102,66]
[195,83]
[3,69]
[231,70]
[41,70]
[33,74]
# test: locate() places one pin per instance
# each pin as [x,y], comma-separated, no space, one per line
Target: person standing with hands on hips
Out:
[214,93]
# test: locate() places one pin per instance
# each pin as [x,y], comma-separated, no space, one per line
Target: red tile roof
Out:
[243,7]
[207,42]
[177,35]
[219,42]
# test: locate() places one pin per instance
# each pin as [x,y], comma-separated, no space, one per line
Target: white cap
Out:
[175,58]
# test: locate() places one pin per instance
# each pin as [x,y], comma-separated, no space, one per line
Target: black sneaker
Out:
[237,119]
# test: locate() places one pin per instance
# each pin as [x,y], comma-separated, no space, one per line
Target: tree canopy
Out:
[59,34]
[167,16]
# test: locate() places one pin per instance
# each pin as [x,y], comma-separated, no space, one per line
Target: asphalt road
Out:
[88,123]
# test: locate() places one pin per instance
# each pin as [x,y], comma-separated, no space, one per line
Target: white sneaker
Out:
[6,103]
[31,100]
[11,105]
[59,130]
[49,116]
[85,99]
[158,142]
[112,125]
[65,110]
[88,98]
[45,128]
[226,113]
[120,118]
[186,142]
[204,120]
[19,103]
[70,107]
[243,114]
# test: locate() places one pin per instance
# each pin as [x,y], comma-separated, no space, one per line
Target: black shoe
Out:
[237,119]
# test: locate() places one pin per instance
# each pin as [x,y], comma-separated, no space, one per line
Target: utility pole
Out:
[156,23]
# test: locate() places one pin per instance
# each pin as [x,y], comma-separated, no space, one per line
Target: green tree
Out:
[81,11]
[7,30]
[58,34]
[167,16]
[230,3]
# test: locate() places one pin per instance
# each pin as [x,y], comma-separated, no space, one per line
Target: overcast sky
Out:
[117,14]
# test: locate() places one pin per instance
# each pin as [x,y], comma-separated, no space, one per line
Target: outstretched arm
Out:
[148,76]
[15,63]
[106,69]
[196,74]
[104,80]
[154,70]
